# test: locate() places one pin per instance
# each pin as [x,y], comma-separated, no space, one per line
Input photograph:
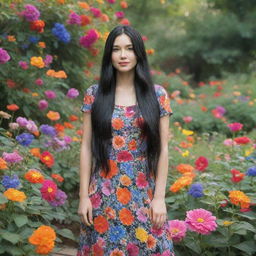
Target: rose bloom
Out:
[242,140]
[234,127]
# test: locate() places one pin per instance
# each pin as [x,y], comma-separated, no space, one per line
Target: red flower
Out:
[47,158]
[234,127]
[12,107]
[237,176]
[224,203]
[201,163]
[124,156]
[37,25]
[242,140]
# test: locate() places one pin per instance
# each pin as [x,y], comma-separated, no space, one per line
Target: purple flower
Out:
[89,39]
[251,171]
[10,181]
[31,126]
[67,139]
[72,93]
[31,13]
[12,157]
[4,56]
[23,65]
[196,190]
[25,139]
[60,198]
[48,60]
[74,18]
[50,94]
[48,130]
[221,110]
[43,104]
[119,15]
[22,121]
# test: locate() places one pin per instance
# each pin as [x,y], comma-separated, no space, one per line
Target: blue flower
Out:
[251,171]
[25,139]
[48,130]
[116,233]
[136,195]
[33,39]
[196,190]
[61,33]
[127,168]
[10,182]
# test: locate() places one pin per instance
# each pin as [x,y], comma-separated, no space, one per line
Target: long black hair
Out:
[103,105]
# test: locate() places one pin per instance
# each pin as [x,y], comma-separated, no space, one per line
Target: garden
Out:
[50,53]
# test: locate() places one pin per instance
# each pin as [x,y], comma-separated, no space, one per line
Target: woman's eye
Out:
[130,48]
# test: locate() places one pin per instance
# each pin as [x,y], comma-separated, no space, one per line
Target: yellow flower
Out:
[248,152]
[100,1]
[37,62]
[227,223]
[185,154]
[35,94]
[15,195]
[141,234]
[187,132]
[192,95]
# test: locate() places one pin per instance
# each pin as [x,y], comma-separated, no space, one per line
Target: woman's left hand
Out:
[158,212]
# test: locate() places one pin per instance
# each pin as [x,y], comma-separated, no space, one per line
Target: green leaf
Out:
[11,237]
[247,246]
[3,199]
[66,233]
[190,243]
[248,215]
[20,220]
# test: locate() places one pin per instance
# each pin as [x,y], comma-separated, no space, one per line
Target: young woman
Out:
[124,155]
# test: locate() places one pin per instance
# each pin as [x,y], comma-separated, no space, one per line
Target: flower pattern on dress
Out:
[121,199]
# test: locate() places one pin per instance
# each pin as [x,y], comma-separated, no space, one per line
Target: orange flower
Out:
[125,180]
[47,158]
[61,1]
[57,177]
[15,195]
[113,170]
[117,123]
[184,144]
[59,127]
[110,212]
[35,152]
[34,176]
[88,99]
[126,217]
[132,145]
[11,38]
[151,242]
[123,4]
[12,107]
[104,17]
[68,125]
[37,62]
[84,5]
[41,44]
[190,139]
[73,118]
[180,183]
[239,198]
[3,164]
[183,168]
[123,195]
[58,74]
[43,238]
[118,142]
[101,224]
[54,116]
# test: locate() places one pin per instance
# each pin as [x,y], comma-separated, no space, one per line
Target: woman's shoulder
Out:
[92,89]
[160,90]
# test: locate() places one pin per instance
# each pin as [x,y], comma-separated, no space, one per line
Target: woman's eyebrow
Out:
[118,45]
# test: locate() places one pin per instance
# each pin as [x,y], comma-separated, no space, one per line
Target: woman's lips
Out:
[123,63]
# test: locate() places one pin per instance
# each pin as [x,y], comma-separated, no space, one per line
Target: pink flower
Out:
[43,104]
[12,157]
[50,94]
[201,221]
[22,121]
[177,229]
[111,1]
[96,12]
[31,13]
[67,139]
[187,119]
[142,214]
[201,163]
[4,56]
[229,142]
[23,65]
[107,189]
[89,39]
[39,81]
[235,127]
[48,60]
[119,15]
[72,93]
[96,200]
[132,249]
[48,190]
[141,180]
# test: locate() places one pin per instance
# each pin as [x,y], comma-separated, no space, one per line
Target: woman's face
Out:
[123,55]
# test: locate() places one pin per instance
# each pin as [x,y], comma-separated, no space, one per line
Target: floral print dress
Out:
[120,200]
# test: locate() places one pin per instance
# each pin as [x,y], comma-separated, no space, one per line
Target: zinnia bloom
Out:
[237,176]
[201,163]
[201,221]
[235,127]
[177,229]
[47,158]
[34,176]
[52,115]
[48,190]
[57,177]
[242,140]
[60,198]
[43,104]
[72,93]
[12,107]
[37,62]
[4,56]
[30,13]
[183,168]
[3,164]
[12,157]
[15,195]
[89,39]
[239,198]
[50,94]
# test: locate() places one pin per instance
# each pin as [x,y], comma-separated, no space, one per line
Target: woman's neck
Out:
[125,80]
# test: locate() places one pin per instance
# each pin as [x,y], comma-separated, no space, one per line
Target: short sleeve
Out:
[89,98]
[163,100]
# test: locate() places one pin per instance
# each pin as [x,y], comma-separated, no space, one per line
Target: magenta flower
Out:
[74,18]
[235,127]
[72,93]
[4,56]
[119,15]
[111,1]
[90,38]
[67,139]
[177,229]
[23,65]
[132,249]
[96,12]
[201,221]
[39,81]
[48,190]
[50,94]
[14,157]
[43,104]
[30,13]
[48,60]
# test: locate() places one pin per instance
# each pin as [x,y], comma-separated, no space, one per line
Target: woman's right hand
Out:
[85,211]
